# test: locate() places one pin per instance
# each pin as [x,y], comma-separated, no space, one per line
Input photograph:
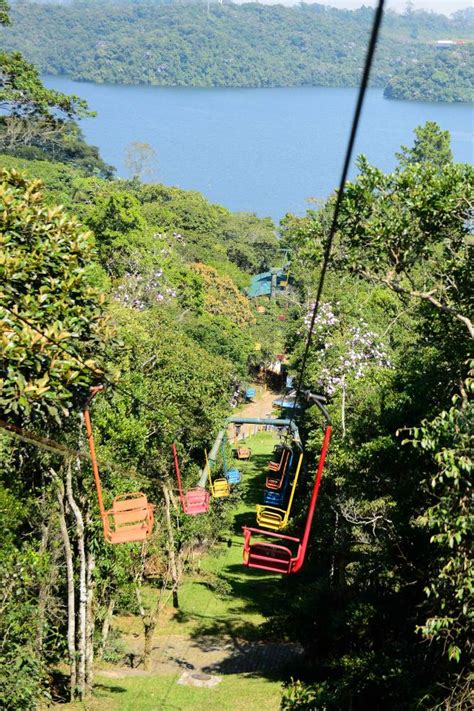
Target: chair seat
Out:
[129,520]
[268,556]
[128,534]
[243,453]
[233,476]
[220,487]
[274,483]
[273,498]
[196,501]
[271,517]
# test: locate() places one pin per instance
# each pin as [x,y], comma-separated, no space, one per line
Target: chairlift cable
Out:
[51,445]
[340,193]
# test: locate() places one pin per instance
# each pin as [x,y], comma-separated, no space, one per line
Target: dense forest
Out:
[445,75]
[231,45]
[141,287]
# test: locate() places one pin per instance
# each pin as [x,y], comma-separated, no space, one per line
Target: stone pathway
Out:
[208,654]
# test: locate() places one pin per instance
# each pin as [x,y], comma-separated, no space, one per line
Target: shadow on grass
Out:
[109,689]
[232,627]
[59,686]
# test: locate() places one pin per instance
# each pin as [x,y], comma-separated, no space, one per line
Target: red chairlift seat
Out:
[195,501]
[271,557]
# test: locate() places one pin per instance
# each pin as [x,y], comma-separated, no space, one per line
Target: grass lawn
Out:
[162,693]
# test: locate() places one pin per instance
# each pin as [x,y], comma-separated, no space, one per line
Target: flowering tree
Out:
[342,353]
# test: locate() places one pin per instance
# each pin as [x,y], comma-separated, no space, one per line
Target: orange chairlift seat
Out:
[131,517]
[194,501]
[276,482]
[274,466]
[288,555]
[243,452]
[274,517]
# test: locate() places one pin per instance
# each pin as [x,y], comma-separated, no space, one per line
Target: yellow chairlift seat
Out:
[219,487]
[273,517]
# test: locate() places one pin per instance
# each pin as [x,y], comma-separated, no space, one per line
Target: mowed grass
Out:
[239,611]
[162,693]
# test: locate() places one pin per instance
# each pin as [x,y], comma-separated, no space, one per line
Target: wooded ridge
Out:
[233,45]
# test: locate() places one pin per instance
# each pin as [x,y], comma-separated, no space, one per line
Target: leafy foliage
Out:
[24,95]
[37,122]
[46,287]
[432,145]
[448,438]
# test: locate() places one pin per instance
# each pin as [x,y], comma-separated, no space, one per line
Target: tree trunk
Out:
[106,627]
[150,619]
[90,621]
[82,608]
[175,577]
[71,604]
[43,592]
[343,408]
[148,646]
[149,623]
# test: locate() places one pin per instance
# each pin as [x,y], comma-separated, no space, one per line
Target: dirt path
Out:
[261,407]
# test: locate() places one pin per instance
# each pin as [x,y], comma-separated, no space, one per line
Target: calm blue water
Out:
[260,150]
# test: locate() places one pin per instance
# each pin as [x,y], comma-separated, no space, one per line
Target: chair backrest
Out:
[195,496]
[278,466]
[220,487]
[233,476]
[130,509]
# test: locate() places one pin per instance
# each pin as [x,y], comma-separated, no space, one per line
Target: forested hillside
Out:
[140,288]
[232,45]
[444,75]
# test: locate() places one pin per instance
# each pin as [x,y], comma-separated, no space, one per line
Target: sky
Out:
[441,6]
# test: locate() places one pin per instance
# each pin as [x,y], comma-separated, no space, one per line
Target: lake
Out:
[260,150]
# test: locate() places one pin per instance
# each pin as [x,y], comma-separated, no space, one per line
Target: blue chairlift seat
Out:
[233,475]
[277,498]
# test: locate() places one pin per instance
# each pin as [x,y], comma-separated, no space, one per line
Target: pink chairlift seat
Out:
[196,501]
